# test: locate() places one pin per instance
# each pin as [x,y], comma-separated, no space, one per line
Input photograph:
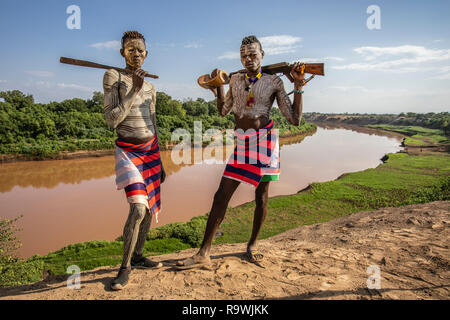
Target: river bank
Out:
[403,179]
[413,137]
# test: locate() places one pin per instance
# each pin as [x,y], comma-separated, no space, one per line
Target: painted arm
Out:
[224,102]
[292,112]
[115,110]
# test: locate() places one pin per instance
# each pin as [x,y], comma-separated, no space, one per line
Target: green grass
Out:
[413,142]
[417,136]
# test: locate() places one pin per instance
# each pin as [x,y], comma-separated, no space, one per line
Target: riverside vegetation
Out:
[417,136]
[42,131]
[431,120]
[401,180]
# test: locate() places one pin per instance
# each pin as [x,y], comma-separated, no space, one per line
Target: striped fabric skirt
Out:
[256,156]
[138,171]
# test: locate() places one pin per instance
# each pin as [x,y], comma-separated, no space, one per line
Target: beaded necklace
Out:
[251,97]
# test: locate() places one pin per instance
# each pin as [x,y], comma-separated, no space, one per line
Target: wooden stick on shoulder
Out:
[84,63]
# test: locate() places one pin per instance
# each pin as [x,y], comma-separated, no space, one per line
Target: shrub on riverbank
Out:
[15,271]
[20,272]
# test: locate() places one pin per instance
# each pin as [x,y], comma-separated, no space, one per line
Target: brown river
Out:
[70,201]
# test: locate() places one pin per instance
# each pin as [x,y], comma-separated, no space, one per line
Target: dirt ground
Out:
[409,246]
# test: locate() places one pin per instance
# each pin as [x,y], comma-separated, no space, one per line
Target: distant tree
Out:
[166,106]
[17,99]
[447,129]
[96,103]
[212,108]
[195,108]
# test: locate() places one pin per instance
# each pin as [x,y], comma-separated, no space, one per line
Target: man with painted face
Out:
[129,106]
[250,97]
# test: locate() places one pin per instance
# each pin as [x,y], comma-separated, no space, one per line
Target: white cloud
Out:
[74,86]
[230,55]
[181,91]
[349,88]
[443,73]
[193,45]
[52,85]
[406,58]
[40,73]
[46,84]
[272,45]
[311,60]
[3,81]
[375,93]
[445,76]
[418,53]
[279,41]
[112,45]
[280,44]
[165,45]
[334,58]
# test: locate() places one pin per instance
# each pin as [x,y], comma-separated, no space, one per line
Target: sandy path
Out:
[409,244]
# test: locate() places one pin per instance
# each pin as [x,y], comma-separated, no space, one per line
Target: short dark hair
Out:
[249,40]
[131,35]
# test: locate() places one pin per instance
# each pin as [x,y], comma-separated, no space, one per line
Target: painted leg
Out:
[138,260]
[131,231]
[215,218]
[261,198]
[142,236]
[130,235]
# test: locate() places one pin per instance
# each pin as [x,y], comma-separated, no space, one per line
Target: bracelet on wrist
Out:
[298,91]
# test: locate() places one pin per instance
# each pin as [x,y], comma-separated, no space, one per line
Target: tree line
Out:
[44,130]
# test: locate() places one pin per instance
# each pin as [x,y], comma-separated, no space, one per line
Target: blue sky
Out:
[404,66]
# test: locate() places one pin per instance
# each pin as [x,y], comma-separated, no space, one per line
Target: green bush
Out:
[190,232]
[9,242]
[440,191]
[20,272]
[15,271]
